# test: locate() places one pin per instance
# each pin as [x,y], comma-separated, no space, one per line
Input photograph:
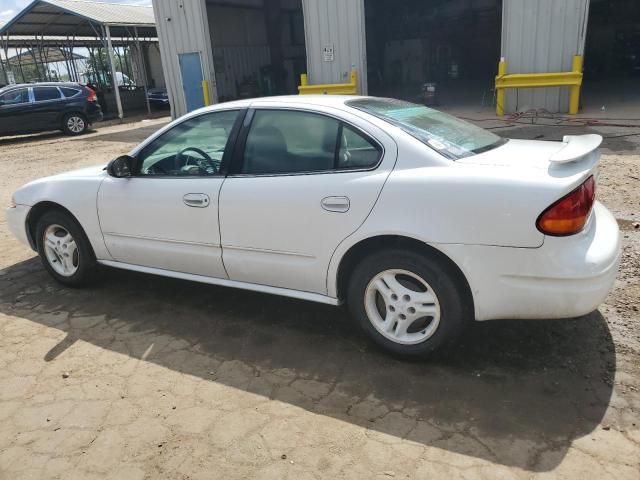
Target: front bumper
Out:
[159,101]
[17,222]
[564,278]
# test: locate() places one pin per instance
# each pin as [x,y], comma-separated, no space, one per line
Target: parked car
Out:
[158,97]
[38,107]
[419,221]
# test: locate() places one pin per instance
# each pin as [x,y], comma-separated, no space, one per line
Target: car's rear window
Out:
[448,135]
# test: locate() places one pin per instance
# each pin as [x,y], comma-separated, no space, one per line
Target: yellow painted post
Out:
[500,94]
[574,96]
[205,93]
[354,80]
[304,80]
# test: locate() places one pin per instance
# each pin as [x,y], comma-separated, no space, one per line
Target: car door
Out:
[47,108]
[166,214]
[15,110]
[296,190]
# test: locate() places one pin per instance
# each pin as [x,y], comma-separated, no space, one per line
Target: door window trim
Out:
[226,156]
[241,142]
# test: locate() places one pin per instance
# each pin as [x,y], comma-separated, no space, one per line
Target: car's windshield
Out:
[448,135]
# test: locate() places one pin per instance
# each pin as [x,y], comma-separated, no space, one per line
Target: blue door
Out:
[191,70]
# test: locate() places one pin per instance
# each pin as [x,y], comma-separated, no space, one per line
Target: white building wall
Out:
[542,36]
[339,24]
[183,28]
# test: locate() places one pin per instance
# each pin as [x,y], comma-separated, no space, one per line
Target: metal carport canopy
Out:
[81,18]
[84,18]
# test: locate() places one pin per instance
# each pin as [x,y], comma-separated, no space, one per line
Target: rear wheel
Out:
[75,124]
[64,249]
[408,303]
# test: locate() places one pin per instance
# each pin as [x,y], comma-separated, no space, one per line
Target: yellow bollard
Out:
[574,96]
[205,93]
[304,80]
[500,94]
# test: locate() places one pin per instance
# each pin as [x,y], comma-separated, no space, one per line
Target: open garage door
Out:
[258,47]
[416,46]
[612,57]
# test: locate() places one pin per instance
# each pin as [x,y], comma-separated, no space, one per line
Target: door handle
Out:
[198,200]
[336,204]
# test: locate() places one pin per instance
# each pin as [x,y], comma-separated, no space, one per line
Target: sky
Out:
[10,8]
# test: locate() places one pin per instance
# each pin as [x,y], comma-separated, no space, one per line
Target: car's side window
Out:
[288,141]
[15,97]
[69,92]
[192,148]
[357,151]
[43,94]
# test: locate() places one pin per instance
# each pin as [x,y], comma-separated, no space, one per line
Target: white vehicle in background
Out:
[420,222]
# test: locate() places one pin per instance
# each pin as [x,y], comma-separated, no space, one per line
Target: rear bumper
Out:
[94,112]
[95,117]
[564,278]
[17,222]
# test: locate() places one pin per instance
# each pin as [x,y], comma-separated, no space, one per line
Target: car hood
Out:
[80,182]
[95,171]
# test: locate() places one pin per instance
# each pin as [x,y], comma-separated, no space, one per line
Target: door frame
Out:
[202,74]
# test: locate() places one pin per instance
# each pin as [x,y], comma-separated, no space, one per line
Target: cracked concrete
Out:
[171,379]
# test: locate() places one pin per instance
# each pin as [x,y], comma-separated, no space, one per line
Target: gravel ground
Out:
[144,377]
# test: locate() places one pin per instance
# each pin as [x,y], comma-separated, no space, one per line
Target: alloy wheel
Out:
[402,306]
[75,124]
[61,250]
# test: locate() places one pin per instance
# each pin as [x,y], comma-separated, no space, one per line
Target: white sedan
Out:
[419,221]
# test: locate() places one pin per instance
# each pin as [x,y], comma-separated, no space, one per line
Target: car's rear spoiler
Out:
[576,147]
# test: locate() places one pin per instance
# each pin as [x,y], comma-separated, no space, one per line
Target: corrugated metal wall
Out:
[340,24]
[182,28]
[235,64]
[542,36]
[240,45]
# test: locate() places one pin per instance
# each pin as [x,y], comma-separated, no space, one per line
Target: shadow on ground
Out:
[517,388]
[18,140]
[134,134]
[130,135]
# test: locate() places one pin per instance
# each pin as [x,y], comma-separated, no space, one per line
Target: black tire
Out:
[455,307]
[75,124]
[87,267]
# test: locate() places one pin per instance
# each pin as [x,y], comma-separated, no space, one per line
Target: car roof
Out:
[319,100]
[312,100]
[41,84]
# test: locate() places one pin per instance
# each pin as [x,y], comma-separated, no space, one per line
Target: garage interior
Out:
[258,47]
[452,43]
[612,58]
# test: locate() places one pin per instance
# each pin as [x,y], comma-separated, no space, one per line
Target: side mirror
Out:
[121,167]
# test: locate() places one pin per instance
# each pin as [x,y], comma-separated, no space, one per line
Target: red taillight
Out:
[91,95]
[569,215]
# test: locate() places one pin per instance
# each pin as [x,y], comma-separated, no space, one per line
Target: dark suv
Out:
[36,107]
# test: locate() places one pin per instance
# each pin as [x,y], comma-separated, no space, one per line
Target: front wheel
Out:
[408,303]
[75,124]
[64,249]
